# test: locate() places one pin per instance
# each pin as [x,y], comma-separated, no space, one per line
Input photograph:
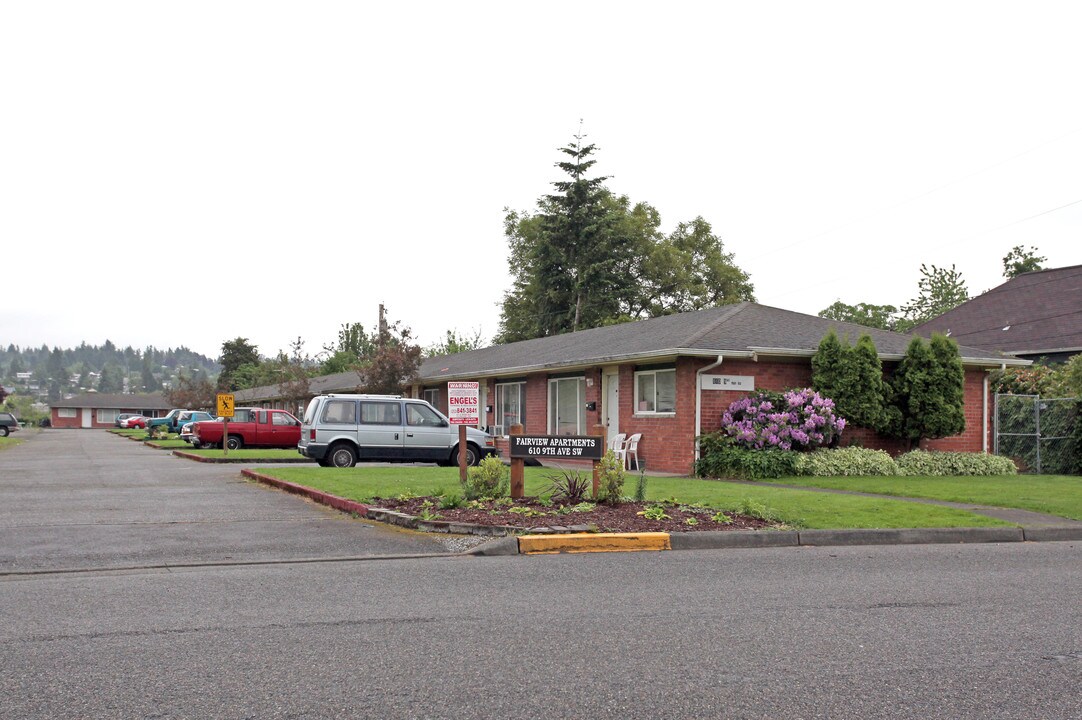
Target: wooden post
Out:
[462,453]
[518,469]
[602,431]
[225,436]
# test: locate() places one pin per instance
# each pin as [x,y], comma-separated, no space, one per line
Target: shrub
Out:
[570,486]
[853,461]
[489,479]
[924,463]
[796,420]
[747,464]
[610,472]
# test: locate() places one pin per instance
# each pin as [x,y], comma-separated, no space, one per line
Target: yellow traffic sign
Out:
[225,405]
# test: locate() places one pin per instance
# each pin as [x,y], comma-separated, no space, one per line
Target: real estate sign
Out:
[464,403]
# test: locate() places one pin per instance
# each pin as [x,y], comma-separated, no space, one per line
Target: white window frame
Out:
[107,415]
[653,375]
[498,414]
[66,413]
[580,403]
[431,396]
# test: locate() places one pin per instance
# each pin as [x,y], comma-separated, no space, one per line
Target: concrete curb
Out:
[911,536]
[228,460]
[592,542]
[338,503]
[1052,533]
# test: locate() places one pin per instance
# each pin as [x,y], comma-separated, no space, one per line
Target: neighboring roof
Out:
[337,382]
[1038,313]
[110,401]
[741,330]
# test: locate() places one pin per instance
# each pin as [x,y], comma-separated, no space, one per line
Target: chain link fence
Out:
[1035,432]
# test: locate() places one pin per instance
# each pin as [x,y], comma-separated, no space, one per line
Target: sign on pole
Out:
[464,403]
[225,405]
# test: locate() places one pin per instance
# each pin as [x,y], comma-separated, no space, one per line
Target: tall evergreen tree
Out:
[828,366]
[865,398]
[236,354]
[928,390]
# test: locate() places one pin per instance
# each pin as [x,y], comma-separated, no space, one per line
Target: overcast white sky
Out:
[186,173]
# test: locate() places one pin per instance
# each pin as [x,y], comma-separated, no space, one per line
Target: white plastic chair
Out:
[617,443]
[631,447]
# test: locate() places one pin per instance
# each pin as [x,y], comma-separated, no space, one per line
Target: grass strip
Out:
[1052,494]
[804,509]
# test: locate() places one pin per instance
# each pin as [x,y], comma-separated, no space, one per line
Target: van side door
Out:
[380,433]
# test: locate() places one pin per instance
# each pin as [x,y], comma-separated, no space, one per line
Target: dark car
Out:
[8,424]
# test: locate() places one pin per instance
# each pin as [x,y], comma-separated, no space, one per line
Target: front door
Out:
[612,405]
[88,418]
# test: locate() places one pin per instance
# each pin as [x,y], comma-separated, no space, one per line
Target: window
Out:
[567,406]
[282,419]
[510,406]
[655,391]
[432,396]
[107,416]
[417,414]
[65,412]
[381,413]
[342,412]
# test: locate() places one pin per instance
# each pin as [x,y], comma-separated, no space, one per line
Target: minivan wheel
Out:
[343,456]
[473,456]
[3,430]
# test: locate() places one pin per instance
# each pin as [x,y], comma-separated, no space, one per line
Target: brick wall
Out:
[668,440]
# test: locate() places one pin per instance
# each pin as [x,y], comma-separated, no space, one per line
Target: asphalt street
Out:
[903,631]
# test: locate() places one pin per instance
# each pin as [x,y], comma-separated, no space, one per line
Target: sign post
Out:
[463,408]
[225,411]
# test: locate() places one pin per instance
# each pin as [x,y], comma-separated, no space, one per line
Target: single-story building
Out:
[669,378]
[99,410]
[1036,315]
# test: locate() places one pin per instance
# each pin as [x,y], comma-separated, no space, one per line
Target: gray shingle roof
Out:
[1035,313]
[152,401]
[743,329]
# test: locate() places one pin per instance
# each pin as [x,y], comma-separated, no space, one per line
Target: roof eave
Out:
[589,363]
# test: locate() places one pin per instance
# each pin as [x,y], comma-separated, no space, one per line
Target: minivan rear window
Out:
[340,412]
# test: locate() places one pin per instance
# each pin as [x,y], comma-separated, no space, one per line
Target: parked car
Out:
[338,430]
[187,419]
[8,424]
[132,421]
[119,422]
[249,427]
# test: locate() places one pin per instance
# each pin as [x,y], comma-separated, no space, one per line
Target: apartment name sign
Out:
[739,383]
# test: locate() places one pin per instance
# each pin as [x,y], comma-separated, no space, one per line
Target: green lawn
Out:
[9,441]
[1053,494]
[798,508]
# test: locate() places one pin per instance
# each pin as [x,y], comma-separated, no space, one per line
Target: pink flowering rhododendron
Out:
[795,420]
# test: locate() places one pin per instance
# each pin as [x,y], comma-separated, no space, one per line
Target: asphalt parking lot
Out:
[77,499]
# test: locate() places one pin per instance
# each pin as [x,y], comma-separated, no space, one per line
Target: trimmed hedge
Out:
[724,460]
[923,463]
[850,461]
[736,462]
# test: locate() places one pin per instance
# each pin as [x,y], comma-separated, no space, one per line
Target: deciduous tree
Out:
[1019,261]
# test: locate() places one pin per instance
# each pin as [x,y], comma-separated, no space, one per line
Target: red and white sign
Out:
[464,403]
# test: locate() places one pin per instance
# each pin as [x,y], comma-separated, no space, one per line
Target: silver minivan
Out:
[338,430]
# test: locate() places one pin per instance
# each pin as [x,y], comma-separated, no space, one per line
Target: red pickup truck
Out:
[252,427]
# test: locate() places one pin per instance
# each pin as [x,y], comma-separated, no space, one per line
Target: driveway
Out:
[81,499]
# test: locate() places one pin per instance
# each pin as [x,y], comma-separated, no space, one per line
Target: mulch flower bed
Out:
[529,513]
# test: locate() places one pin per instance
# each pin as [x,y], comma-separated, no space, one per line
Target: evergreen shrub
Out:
[490,479]
[737,462]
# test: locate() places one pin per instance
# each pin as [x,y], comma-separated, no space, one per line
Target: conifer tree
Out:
[928,386]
